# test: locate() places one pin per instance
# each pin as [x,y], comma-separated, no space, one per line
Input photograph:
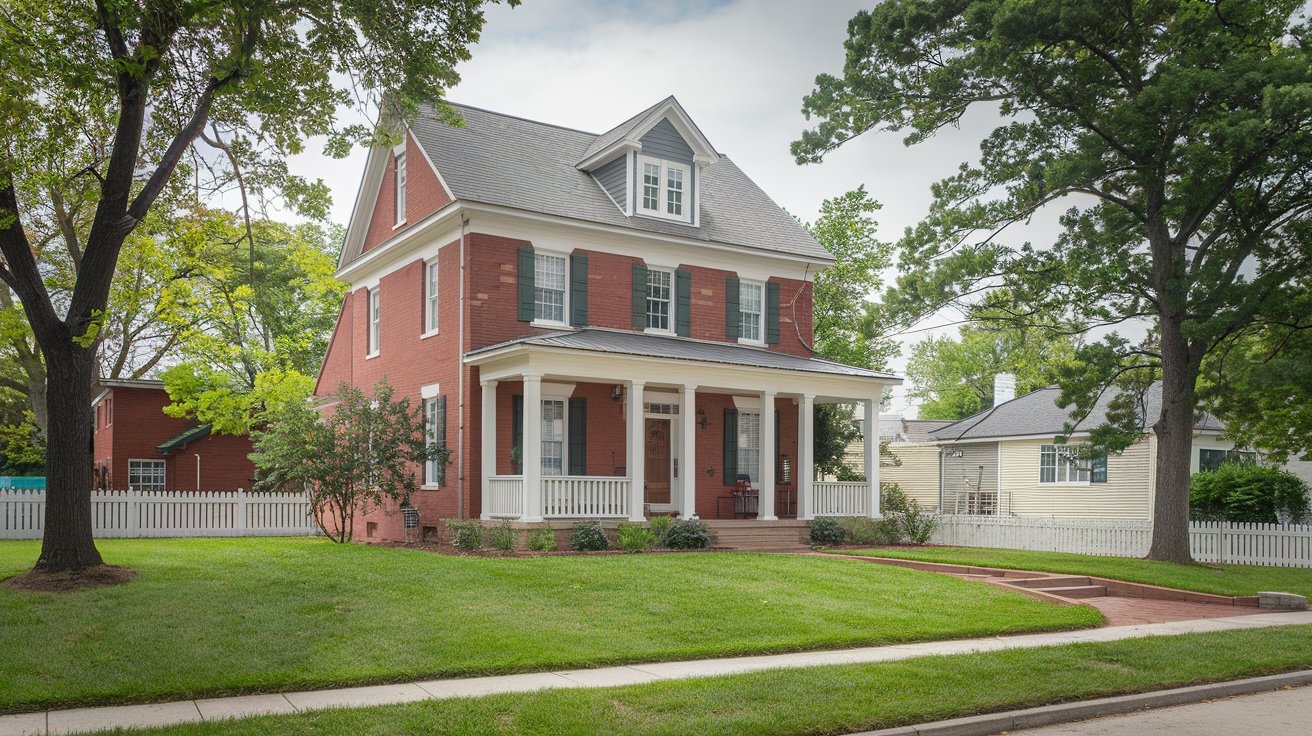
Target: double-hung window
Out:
[434,435]
[400,189]
[373,321]
[550,278]
[660,305]
[665,189]
[1063,464]
[145,475]
[751,310]
[1210,460]
[749,445]
[553,437]
[430,297]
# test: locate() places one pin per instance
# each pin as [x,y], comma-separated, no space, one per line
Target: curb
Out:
[995,723]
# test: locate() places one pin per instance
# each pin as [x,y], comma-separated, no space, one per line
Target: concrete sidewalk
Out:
[81,720]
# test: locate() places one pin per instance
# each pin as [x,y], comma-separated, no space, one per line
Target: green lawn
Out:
[824,700]
[206,617]
[1205,578]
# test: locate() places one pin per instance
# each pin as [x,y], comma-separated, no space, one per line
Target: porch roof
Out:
[601,340]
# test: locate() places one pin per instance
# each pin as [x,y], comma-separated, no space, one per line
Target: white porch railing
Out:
[505,496]
[585,496]
[175,514]
[840,498]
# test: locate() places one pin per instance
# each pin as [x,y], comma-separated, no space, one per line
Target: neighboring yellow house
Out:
[914,461]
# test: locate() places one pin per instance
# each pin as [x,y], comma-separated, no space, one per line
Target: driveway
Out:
[1278,713]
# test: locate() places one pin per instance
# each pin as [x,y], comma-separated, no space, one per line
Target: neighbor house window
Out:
[749,444]
[373,321]
[434,435]
[1063,464]
[665,188]
[553,437]
[751,303]
[549,287]
[109,411]
[1210,460]
[659,304]
[400,189]
[145,475]
[430,297]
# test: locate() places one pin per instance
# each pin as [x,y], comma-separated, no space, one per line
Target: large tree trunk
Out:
[67,543]
[1174,429]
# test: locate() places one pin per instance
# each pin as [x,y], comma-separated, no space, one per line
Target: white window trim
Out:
[427,394]
[563,400]
[674,300]
[538,321]
[663,189]
[756,477]
[429,299]
[1042,482]
[374,324]
[154,461]
[749,340]
[400,176]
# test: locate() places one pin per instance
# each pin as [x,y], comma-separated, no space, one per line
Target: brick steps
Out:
[1045,583]
[1076,591]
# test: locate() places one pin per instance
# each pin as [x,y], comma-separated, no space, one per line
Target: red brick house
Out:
[138,447]
[598,326]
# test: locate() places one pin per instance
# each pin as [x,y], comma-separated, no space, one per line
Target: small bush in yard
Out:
[689,534]
[542,540]
[660,526]
[827,532]
[466,534]
[505,536]
[860,530]
[634,537]
[588,536]
[916,524]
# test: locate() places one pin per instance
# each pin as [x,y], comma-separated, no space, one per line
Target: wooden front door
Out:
[657,463]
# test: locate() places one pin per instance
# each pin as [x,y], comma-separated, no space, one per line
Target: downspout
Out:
[461,370]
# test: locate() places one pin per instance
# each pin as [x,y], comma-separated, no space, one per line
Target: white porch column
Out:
[870,437]
[637,445]
[688,454]
[488,447]
[532,451]
[765,503]
[805,455]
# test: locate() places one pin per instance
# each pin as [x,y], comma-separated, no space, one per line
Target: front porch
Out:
[565,433]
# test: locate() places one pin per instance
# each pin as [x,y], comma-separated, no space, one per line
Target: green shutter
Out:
[526,282]
[439,430]
[517,423]
[1098,469]
[683,310]
[730,446]
[639,296]
[772,313]
[578,289]
[778,447]
[732,314]
[578,436]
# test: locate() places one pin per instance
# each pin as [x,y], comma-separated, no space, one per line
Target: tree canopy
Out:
[1178,135]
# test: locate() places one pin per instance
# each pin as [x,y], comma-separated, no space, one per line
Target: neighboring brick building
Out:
[139,447]
[597,326]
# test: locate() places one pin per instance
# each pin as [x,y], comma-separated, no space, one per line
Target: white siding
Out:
[1125,495]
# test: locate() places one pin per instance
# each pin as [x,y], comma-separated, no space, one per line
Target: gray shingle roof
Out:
[899,430]
[508,161]
[678,348]
[618,132]
[1037,413]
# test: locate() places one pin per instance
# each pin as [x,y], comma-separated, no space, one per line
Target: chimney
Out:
[1004,387]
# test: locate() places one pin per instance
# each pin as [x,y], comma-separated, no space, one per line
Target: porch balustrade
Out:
[585,496]
[505,496]
[841,498]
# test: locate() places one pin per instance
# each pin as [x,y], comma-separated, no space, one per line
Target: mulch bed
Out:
[444,548]
[67,582]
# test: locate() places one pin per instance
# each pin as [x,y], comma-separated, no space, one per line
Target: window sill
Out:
[430,487]
[1067,483]
[550,325]
[430,333]
[751,343]
[654,331]
[371,356]
[399,225]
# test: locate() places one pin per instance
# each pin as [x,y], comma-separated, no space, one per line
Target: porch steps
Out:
[1077,591]
[785,535]
[1046,583]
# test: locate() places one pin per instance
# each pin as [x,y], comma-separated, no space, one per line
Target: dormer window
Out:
[664,189]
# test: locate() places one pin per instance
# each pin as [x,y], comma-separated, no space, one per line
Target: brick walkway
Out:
[1129,611]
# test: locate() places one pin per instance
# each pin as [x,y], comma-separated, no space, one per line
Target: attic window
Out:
[400,189]
[664,191]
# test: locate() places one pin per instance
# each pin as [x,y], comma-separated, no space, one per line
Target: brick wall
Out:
[424,195]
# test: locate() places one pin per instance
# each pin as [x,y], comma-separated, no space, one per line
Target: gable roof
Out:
[909,431]
[616,134]
[180,440]
[1037,413]
[512,162]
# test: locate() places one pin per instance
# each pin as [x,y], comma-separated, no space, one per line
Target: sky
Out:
[739,67]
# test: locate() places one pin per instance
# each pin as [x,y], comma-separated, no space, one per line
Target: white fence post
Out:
[241,524]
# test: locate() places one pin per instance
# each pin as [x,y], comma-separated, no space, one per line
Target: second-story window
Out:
[664,188]
[400,189]
[549,281]
[373,321]
[660,313]
[430,297]
[751,300]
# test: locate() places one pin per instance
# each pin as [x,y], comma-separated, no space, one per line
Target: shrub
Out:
[542,540]
[505,536]
[588,536]
[827,532]
[1248,493]
[859,530]
[689,534]
[466,534]
[891,499]
[634,537]
[916,524]
[660,526]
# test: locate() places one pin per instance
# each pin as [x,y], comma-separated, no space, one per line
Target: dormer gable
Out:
[649,165]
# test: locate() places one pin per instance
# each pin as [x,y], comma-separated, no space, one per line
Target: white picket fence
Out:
[1271,545]
[179,514]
